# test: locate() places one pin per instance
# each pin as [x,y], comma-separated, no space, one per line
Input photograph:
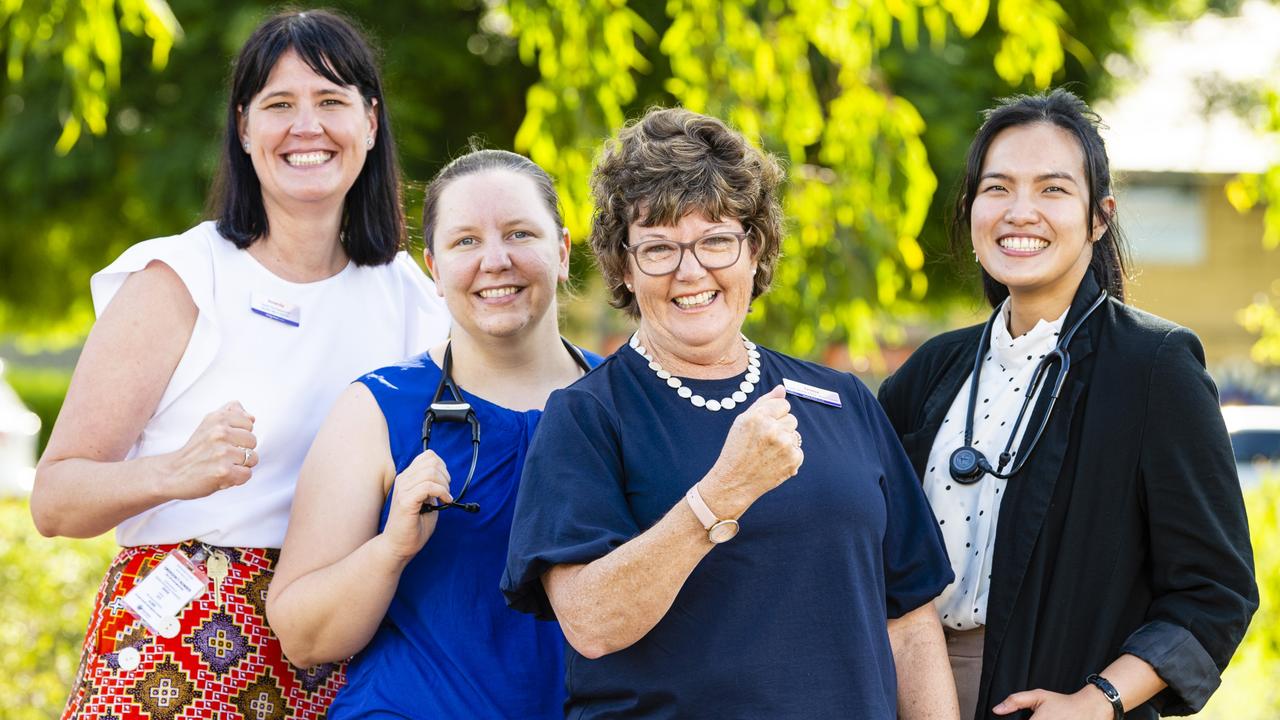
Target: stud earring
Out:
[629,288]
[245,144]
[368,142]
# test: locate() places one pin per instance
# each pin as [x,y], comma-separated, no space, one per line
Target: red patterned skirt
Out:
[225,663]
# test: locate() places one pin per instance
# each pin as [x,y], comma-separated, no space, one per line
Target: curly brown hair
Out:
[672,162]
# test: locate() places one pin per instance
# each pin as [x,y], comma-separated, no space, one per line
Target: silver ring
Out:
[247,453]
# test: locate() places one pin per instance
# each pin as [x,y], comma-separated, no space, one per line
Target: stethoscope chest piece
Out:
[966,466]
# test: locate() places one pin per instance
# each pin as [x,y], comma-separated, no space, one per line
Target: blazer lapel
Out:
[1023,512]
[945,390]
[946,386]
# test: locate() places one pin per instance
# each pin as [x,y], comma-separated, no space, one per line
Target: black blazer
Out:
[1125,532]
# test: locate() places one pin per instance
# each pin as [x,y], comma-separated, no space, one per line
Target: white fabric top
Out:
[968,514]
[287,377]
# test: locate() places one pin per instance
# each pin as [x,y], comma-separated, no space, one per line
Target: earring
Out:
[368,142]
[629,288]
[245,145]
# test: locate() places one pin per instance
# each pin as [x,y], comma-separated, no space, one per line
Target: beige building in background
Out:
[1175,140]
[1198,263]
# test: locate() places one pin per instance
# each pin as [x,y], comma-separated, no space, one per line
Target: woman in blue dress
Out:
[399,528]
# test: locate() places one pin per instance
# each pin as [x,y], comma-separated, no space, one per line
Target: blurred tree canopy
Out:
[85,36]
[867,103]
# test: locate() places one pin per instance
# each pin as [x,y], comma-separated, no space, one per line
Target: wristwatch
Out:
[1112,695]
[718,530]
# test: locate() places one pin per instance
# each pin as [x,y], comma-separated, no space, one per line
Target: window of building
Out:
[1163,223]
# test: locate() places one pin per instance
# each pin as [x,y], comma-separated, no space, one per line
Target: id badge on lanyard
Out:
[165,592]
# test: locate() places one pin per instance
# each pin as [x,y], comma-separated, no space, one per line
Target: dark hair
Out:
[671,162]
[372,216]
[480,160]
[1063,109]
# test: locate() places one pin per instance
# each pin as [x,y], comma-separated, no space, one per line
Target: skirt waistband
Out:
[255,558]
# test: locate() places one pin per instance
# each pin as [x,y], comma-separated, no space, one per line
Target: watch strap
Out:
[1112,695]
[700,509]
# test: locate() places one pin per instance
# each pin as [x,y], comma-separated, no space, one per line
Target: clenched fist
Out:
[761,452]
[426,480]
[218,455]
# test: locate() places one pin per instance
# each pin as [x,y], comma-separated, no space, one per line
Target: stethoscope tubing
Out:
[974,466]
[459,410]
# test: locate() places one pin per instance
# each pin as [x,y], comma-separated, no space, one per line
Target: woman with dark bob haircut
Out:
[1073,452]
[700,562]
[216,355]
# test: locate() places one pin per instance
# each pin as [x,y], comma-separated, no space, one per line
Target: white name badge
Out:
[277,310]
[809,392]
[158,598]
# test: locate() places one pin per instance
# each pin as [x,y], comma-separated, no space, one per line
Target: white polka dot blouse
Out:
[967,514]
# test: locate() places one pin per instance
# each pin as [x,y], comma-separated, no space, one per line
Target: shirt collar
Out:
[1038,341]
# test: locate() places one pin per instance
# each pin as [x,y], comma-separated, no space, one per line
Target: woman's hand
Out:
[218,455]
[761,452]
[408,528]
[1087,703]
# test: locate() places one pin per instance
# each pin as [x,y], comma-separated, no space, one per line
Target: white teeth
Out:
[1023,243]
[499,292]
[701,298]
[310,158]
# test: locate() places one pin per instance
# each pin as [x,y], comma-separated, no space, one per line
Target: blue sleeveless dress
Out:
[449,647]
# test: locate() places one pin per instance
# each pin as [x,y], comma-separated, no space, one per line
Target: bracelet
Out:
[1112,695]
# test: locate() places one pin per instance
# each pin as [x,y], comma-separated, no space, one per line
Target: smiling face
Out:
[693,313]
[1029,220]
[497,255]
[307,136]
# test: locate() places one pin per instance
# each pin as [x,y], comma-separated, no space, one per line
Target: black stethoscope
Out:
[460,411]
[967,464]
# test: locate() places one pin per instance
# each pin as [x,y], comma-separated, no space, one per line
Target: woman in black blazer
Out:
[1120,580]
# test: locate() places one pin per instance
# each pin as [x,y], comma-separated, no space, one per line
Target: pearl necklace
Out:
[747,386]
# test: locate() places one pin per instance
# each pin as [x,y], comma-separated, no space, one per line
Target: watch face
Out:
[722,531]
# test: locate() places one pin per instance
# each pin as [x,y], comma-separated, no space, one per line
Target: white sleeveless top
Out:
[287,376]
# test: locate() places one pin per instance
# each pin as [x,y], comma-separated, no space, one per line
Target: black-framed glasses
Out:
[713,252]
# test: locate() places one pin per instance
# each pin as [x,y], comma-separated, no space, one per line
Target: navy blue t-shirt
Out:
[786,620]
[449,647]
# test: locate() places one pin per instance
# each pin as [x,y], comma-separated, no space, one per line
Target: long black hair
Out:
[372,228]
[1063,109]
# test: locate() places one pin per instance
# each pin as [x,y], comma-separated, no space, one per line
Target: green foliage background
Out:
[111,113]
[42,391]
[1249,690]
[869,104]
[47,589]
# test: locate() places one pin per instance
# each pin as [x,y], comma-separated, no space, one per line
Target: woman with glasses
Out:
[1073,451]
[721,530]
[400,524]
[216,354]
